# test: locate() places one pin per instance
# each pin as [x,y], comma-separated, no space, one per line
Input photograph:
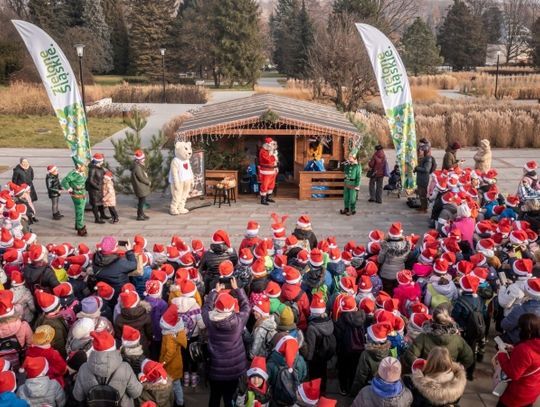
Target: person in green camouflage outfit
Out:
[75,183]
[353,172]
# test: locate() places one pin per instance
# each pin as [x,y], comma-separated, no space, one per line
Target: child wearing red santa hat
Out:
[254,389]
[38,388]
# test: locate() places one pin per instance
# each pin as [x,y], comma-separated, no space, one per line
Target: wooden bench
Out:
[334,182]
[213,177]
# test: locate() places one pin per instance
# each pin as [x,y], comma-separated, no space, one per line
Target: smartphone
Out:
[502,278]
[122,243]
[226,281]
[500,343]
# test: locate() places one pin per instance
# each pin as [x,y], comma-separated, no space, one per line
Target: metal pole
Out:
[82,84]
[163,76]
[497,76]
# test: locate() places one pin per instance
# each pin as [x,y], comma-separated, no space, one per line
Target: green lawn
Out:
[45,131]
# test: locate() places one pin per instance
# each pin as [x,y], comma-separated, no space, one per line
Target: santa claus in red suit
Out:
[268,169]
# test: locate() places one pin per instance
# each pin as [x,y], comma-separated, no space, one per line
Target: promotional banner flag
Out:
[396,98]
[61,86]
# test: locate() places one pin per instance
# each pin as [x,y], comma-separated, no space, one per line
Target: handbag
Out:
[370,173]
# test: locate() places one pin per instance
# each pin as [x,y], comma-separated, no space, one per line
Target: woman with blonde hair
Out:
[440,382]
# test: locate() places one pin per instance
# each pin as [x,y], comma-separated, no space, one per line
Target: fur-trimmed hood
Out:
[442,389]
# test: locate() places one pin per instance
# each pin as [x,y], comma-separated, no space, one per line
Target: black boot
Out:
[264,200]
[97,218]
[344,211]
[57,216]
[102,213]
[269,198]
[82,231]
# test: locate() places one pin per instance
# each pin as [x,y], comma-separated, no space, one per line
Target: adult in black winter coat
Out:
[38,272]
[112,268]
[209,266]
[24,174]
[94,186]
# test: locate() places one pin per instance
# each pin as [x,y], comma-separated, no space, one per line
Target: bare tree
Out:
[396,15]
[340,66]
[516,17]
[478,7]
[19,7]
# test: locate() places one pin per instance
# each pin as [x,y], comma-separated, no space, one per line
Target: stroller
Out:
[394,182]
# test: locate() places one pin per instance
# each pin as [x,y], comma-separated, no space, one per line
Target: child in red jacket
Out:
[407,292]
[41,346]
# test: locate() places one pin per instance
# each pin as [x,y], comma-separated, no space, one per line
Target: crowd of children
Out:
[401,319]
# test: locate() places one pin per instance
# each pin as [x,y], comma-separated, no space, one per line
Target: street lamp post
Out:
[80,54]
[497,75]
[162,52]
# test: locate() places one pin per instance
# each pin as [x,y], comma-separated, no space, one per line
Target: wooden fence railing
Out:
[331,181]
[215,176]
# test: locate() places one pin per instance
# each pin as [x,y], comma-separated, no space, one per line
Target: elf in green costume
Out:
[75,183]
[353,173]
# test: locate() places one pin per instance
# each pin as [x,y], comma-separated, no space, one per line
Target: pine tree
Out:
[94,20]
[282,25]
[238,50]
[304,42]
[50,15]
[360,9]
[116,20]
[462,39]
[493,24]
[535,42]
[420,51]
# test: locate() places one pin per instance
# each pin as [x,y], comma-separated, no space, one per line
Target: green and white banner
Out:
[61,86]
[396,97]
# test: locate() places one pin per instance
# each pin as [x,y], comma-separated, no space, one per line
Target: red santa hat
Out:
[370,269]
[291,241]
[449,257]
[153,288]
[348,285]
[316,258]
[258,368]
[530,166]
[317,306]
[469,283]
[104,290]
[139,155]
[395,231]
[226,303]
[252,228]
[359,251]
[292,275]
[418,364]
[365,285]
[37,253]
[491,195]
[98,157]
[440,266]
[187,259]
[221,237]
[172,254]
[35,367]
[486,247]
[129,299]
[419,319]
[518,237]
[52,168]
[523,267]
[152,372]
[102,341]
[378,333]
[260,250]
[391,305]
[451,244]
[130,336]
[6,303]
[273,290]
[343,303]
[325,402]
[262,306]
[170,318]
[188,288]
[47,302]
[310,392]
[74,270]
[427,256]
[404,277]
[17,278]
[160,275]
[288,347]
[376,235]
[367,305]
[533,288]
[226,268]
[419,308]
[63,290]
[303,222]
[323,246]
[278,227]
[245,256]
[334,255]
[381,298]
[8,382]
[302,257]
[480,272]
[159,249]
[258,268]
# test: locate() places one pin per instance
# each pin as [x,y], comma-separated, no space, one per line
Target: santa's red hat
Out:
[418,364]
[291,241]
[172,254]
[323,246]
[280,260]
[512,201]
[395,231]
[381,298]
[74,270]
[129,299]
[98,157]
[292,275]
[391,305]
[486,247]
[359,251]
[343,303]
[376,235]
[37,253]
[324,402]
[316,258]
[370,269]
[197,246]
[480,272]
[273,290]
[302,256]
[469,283]
[187,260]
[52,168]
[188,288]
[258,368]
[8,381]
[530,166]
[262,306]
[6,303]
[518,237]
[35,367]
[405,277]
[440,266]
[252,228]
[152,372]
[63,290]
[449,257]
[334,255]
[159,249]
[245,256]
[170,318]
[365,285]
[258,268]
[419,308]
[378,333]
[419,319]
[226,303]
[6,238]
[226,268]
[491,195]
[160,275]
[278,227]
[367,305]
[102,341]
[221,237]
[47,302]
[310,392]
[153,288]
[260,250]
[130,336]
[523,267]
[427,256]
[317,306]
[303,222]
[348,284]
[104,290]
[288,347]
[17,278]
[533,288]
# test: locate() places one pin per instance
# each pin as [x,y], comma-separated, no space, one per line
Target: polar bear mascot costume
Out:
[181,177]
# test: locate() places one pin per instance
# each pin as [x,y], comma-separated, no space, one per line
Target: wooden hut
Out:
[240,126]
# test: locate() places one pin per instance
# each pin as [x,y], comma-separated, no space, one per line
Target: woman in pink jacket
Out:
[464,223]
[15,333]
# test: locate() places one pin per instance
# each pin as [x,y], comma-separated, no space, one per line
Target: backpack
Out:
[10,350]
[284,391]
[325,348]
[103,394]
[69,313]
[293,304]
[475,327]
[354,339]
[436,297]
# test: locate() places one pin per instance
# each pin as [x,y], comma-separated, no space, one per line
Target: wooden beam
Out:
[269,132]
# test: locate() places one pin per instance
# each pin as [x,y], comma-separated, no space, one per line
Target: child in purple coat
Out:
[153,292]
